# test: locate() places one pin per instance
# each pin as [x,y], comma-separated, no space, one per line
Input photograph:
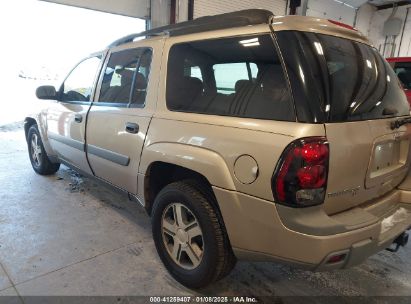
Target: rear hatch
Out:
[348,87]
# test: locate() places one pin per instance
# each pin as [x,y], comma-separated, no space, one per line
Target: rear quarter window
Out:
[236,76]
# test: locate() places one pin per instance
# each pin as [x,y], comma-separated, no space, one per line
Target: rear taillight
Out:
[300,179]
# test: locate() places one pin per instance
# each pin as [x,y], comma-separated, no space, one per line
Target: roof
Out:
[203,24]
[250,17]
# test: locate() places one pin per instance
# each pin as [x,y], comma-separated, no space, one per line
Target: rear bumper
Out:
[257,230]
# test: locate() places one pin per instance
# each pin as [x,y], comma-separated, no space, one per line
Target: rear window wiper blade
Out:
[400,122]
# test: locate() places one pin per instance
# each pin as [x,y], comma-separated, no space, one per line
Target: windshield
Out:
[336,80]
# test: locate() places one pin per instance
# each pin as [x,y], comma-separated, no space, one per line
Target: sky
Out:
[36,34]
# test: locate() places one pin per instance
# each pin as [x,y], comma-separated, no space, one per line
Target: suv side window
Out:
[240,77]
[125,78]
[78,85]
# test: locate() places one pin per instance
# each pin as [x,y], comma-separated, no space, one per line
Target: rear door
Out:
[349,87]
[66,118]
[118,121]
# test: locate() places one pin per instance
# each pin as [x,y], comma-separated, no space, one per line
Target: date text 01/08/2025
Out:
[202,299]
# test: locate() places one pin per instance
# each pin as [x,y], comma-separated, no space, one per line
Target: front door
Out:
[118,121]
[67,117]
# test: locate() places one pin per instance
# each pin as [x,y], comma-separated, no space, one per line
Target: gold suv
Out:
[244,136]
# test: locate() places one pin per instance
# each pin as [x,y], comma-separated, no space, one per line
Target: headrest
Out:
[141,81]
[241,84]
[193,83]
[126,75]
[272,77]
[183,91]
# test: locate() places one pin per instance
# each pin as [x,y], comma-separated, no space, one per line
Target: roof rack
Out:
[203,24]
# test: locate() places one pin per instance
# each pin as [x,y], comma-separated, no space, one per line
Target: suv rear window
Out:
[236,76]
[336,80]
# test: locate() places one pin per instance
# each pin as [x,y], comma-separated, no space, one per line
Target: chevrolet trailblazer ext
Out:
[244,136]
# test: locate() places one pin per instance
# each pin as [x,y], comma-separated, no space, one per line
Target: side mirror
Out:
[46,92]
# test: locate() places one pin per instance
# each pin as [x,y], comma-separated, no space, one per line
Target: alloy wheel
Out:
[182,236]
[35,150]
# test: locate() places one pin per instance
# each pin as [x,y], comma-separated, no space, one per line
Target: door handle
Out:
[78,118]
[132,128]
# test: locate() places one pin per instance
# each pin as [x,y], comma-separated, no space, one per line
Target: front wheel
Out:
[38,156]
[189,235]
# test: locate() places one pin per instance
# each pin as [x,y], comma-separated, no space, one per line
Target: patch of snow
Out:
[398,216]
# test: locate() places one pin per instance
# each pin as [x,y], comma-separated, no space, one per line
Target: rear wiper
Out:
[400,122]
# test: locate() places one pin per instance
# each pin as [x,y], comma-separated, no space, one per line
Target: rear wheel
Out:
[189,236]
[38,156]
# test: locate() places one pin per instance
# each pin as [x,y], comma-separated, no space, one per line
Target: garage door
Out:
[214,7]
[335,10]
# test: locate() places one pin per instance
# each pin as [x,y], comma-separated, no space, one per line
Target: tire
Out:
[38,157]
[211,251]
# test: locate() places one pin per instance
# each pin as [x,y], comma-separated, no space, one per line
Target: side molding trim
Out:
[114,157]
[67,141]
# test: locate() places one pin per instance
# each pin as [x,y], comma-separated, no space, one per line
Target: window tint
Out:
[240,76]
[126,76]
[403,71]
[79,84]
[337,80]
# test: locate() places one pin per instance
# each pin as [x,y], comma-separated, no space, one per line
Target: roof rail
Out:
[131,37]
[203,24]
